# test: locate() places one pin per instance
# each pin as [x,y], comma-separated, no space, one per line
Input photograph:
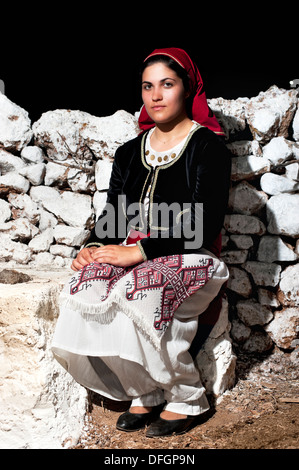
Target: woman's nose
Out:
[157,95]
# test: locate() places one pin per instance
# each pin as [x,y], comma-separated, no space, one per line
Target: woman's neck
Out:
[168,135]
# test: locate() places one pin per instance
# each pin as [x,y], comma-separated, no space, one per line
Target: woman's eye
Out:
[146,86]
[168,84]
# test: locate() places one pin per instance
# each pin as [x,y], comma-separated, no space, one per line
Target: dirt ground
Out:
[260,412]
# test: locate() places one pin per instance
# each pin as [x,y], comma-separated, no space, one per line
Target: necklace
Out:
[176,138]
[155,158]
[164,142]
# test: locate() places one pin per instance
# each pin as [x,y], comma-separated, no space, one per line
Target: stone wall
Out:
[261,228]
[54,175]
[41,406]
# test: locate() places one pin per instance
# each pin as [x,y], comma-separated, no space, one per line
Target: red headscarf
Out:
[201,112]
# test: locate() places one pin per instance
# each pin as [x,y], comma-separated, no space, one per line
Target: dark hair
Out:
[172,64]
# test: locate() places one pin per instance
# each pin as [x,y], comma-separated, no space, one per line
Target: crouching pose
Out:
[130,313]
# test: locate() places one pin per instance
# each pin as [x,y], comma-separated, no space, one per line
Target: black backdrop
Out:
[85,59]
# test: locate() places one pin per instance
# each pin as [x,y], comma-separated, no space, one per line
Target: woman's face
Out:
[163,94]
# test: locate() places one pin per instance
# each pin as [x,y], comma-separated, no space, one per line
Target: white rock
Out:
[216,363]
[267,297]
[296,125]
[5,212]
[274,184]
[64,132]
[284,328]
[272,248]
[264,274]
[296,150]
[244,224]
[15,125]
[10,163]
[102,174]
[224,241]
[26,207]
[289,286]
[244,242]
[42,260]
[253,313]
[239,331]
[61,262]
[256,148]
[292,171]
[105,134]
[229,113]
[249,167]
[13,251]
[58,133]
[246,199]
[216,360]
[72,208]
[32,154]
[239,282]
[14,182]
[283,215]
[258,342]
[47,220]
[71,236]
[79,181]
[278,150]
[264,122]
[242,148]
[34,173]
[270,113]
[99,201]
[234,256]
[63,250]
[222,325]
[41,406]
[42,241]
[54,173]
[19,230]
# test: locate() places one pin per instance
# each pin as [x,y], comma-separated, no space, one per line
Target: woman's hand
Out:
[83,258]
[117,255]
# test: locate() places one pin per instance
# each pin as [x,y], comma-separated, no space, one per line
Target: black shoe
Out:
[135,421]
[167,427]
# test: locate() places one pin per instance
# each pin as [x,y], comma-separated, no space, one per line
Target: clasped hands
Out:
[117,255]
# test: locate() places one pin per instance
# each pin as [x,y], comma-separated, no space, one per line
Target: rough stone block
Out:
[41,407]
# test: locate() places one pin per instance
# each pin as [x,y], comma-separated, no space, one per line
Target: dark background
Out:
[88,58]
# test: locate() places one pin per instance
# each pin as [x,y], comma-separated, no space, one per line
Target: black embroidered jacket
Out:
[187,199]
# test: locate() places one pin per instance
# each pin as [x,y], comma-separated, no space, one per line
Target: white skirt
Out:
[117,360]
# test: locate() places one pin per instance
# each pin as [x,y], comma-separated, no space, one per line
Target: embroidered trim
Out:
[184,211]
[149,293]
[167,165]
[141,250]
[156,173]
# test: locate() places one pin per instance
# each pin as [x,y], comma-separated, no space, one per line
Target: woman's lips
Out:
[158,108]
